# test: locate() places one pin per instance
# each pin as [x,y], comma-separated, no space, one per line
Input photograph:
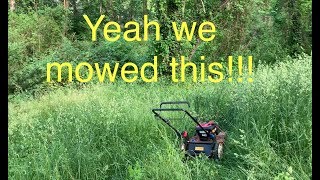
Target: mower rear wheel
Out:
[218,151]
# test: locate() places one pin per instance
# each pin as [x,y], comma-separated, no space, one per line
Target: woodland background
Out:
[91,130]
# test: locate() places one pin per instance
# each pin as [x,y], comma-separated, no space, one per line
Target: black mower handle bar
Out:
[175,102]
[168,122]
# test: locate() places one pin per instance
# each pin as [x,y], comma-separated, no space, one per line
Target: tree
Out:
[12,3]
[65,4]
[109,9]
[145,7]
[100,6]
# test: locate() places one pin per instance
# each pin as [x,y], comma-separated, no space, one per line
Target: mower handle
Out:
[175,102]
[168,122]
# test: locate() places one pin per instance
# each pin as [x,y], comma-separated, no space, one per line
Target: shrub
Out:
[30,37]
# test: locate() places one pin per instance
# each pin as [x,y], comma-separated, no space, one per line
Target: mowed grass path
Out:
[109,132]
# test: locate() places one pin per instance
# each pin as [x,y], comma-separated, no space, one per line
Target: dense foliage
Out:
[95,130]
[43,31]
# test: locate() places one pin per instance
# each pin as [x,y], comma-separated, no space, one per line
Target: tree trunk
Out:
[295,34]
[100,8]
[109,11]
[12,7]
[172,8]
[65,4]
[145,7]
[35,5]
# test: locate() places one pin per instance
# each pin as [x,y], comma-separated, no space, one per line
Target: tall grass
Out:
[108,131]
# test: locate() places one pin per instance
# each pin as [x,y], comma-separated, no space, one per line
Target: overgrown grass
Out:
[108,131]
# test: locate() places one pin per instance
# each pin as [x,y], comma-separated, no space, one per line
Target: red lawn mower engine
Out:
[209,127]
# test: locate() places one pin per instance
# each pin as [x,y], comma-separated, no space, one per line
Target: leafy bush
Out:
[32,35]
[36,32]
[119,51]
[32,75]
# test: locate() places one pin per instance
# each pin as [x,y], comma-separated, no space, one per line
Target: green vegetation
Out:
[106,130]
[42,31]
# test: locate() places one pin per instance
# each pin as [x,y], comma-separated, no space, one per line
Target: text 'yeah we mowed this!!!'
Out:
[212,72]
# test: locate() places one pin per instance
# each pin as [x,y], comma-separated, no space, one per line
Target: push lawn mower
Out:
[208,138]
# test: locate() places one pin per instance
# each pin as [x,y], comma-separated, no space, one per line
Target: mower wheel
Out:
[218,151]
